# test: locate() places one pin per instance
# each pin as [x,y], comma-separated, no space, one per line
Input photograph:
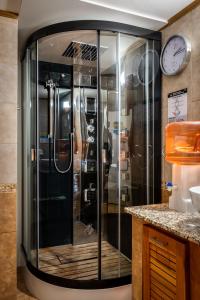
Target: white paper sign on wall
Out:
[177,106]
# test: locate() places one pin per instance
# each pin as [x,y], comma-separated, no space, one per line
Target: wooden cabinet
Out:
[165,271]
[194,271]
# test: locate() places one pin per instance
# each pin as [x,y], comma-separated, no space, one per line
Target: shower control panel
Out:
[91,129]
[89,162]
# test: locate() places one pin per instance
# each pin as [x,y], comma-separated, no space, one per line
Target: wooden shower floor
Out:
[80,261]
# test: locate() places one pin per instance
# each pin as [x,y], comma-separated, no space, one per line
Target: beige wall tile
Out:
[8,38]
[6,20]
[13,297]
[22,296]
[8,123]
[196,76]
[195,110]
[190,77]
[8,154]
[7,246]
[7,264]
[8,83]
[8,163]
[7,212]
[181,26]
[179,81]
[196,32]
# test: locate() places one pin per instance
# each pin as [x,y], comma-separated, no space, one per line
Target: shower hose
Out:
[57,100]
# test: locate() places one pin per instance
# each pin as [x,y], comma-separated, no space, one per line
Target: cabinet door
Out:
[164,266]
[194,271]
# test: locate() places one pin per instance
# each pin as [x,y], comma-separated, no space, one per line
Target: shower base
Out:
[80,262]
[45,291]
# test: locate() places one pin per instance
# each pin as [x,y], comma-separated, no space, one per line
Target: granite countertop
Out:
[7,188]
[184,225]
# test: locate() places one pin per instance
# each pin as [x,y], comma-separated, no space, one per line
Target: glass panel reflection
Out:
[110,127]
[30,234]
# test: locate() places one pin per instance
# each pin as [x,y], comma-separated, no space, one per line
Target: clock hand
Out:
[179,51]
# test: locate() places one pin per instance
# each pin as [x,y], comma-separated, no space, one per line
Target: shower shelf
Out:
[85,86]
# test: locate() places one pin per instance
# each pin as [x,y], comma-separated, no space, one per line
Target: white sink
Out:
[195,196]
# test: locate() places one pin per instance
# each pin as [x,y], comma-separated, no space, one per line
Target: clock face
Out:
[175,55]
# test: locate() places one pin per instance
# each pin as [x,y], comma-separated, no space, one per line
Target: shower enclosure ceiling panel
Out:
[92,126]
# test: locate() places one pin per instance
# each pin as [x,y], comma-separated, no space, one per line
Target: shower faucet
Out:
[90,139]
[90,128]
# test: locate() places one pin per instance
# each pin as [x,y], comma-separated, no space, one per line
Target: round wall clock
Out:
[175,55]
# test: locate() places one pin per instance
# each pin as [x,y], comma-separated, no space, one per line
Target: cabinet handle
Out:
[159,242]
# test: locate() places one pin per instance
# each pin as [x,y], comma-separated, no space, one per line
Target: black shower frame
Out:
[98,26]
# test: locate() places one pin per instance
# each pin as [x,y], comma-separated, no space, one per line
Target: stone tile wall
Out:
[8,155]
[189,26]
[8,100]
[7,241]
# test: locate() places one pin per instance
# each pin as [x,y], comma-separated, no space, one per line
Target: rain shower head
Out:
[83,51]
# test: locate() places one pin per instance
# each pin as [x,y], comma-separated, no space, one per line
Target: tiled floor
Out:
[22,292]
[24,296]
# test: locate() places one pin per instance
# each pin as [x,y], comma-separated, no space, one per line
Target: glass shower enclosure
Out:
[91,147]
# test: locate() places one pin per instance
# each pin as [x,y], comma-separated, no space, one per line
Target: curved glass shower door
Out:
[68,154]
[91,114]
[30,166]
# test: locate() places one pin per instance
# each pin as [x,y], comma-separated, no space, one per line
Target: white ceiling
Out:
[152,9]
[151,14]
[10,5]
